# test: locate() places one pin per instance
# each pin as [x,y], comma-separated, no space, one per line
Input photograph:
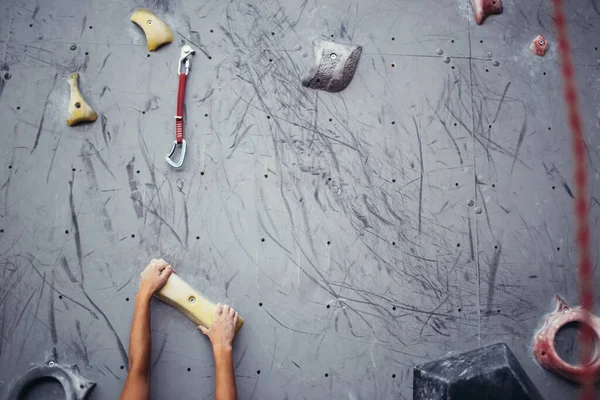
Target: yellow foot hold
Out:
[79,110]
[157,32]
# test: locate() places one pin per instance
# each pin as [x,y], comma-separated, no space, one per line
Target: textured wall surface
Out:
[425,209]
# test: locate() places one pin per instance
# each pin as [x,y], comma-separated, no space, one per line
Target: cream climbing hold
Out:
[79,110]
[157,32]
[177,293]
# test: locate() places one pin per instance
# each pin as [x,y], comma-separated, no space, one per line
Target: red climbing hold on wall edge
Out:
[544,348]
[539,46]
[484,8]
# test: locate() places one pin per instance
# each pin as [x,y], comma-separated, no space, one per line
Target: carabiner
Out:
[181,158]
[186,53]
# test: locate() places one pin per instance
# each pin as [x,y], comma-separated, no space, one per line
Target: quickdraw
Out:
[184,61]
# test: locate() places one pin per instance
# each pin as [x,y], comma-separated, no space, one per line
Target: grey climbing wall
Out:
[425,209]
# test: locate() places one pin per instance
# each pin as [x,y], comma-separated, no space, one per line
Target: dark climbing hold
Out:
[335,66]
[484,8]
[75,386]
[539,46]
[491,373]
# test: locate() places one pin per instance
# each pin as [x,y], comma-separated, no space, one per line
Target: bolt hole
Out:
[270,60]
[457,244]
[192,300]
[137,172]
[260,305]
[81,386]
[487,70]
[394,308]
[202,173]
[456,184]
[393,38]
[206,115]
[268,117]
[455,124]
[393,181]
[144,112]
[330,119]
[18,107]
[460,310]
[73,169]
[499,311]
[31,25]
[189,369]
[211,31]
[452,41]
[558,249]
[329,179]
[493,185]
[328,242]
[393,65]
[549,128]
[87,53]
[318,80]
[122,367]
[60,297]
[326,374]
[66,232]
[393,375]
[148,55]
[544,73]
[262,239]
[453,67]
[77,105]
[553,187]
[197,237]
[91,27]
[210,57]
[496,247]
[10,167]
[331,35]
[393,122]
[126,298]
[393,243]
[328,306]
[266,175]
[481,41]
[258,371]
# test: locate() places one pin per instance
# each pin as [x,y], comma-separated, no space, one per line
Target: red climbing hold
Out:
[544,348]
[484,8]
[539,46]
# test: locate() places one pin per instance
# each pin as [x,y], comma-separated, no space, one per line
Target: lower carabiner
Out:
[180,162]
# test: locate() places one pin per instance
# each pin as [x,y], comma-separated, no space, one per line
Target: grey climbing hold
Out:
[335,66]
[491,373]
[76,387]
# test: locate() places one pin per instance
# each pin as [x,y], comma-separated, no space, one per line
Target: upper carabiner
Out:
[186,53]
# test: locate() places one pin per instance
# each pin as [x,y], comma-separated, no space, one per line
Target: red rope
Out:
[585,271]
